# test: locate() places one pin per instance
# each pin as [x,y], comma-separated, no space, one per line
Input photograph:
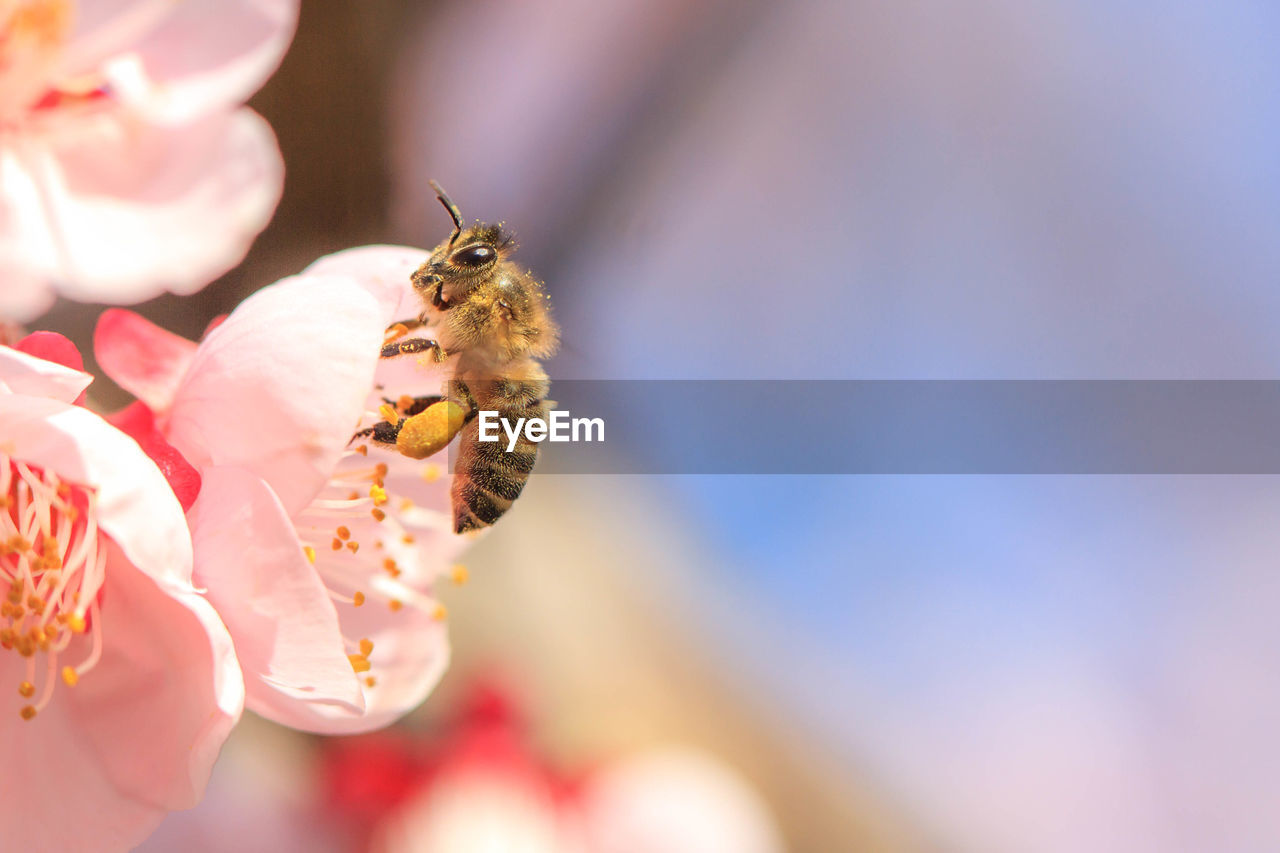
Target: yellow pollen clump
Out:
[358,598]
[76,622]
[370,681]
[378,494]
[431,430]
[399,330]
[389,414]
[343,533]
[440,613]
[311,554]
[395,604]
[459,574]
[70,677]
[26,690]
[353,547]
[431,473]
[366,646]
[359,663]
[363,449]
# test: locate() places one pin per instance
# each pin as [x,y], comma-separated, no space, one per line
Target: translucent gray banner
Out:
[914,427]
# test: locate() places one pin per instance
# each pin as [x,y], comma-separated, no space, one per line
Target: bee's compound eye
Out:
[473,256]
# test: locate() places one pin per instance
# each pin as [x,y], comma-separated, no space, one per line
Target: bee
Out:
[490,321]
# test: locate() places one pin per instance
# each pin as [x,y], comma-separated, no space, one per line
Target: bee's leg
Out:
[400,328]
[408,406]
[411,347]
[383,432]
[461,394]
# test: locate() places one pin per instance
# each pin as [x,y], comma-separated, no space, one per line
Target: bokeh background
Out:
[810,190]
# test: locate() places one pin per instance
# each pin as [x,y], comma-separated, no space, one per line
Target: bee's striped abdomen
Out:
[487,478]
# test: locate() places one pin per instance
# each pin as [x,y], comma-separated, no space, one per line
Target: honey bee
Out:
[490,321]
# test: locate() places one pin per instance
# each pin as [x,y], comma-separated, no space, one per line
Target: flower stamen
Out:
[52,566]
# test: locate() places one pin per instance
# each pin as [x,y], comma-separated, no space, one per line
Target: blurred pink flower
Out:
[320,557]
[483,787]
[127,164]
[123,673]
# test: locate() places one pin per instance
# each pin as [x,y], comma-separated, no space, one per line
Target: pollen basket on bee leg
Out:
[431,430]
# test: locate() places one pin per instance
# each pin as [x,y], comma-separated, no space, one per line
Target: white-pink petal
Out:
[21,373]
[157,707]
[410,655]
[116,211]
[278,388]
[23,296]
[286,632]
[204,56]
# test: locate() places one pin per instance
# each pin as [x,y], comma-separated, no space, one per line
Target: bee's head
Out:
[468,257]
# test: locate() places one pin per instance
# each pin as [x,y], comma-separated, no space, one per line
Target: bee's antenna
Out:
[452,208]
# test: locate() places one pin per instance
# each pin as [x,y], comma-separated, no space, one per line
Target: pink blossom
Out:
[123,682]
[484,787]
[319,554]
[127,164]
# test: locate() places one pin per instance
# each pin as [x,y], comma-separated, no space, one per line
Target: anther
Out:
[359,663]
[353,547]
[343,533]
[28,712]
[70,677]
[366,646]
[459,574]
[440,613]
[358,598]
[26,690]
[378,515]
[311,554]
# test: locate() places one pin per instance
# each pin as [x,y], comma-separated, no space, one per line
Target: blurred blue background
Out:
[929,190]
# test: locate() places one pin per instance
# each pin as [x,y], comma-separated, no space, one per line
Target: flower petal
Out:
[207,55]
[383,266]
[676,801]
[158,706]
[279,388]
[105,28]
[279,613]
[410,655]
[31,375]
[136,507]
[115,211]
[60,772]
[142,358]
[23,296]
